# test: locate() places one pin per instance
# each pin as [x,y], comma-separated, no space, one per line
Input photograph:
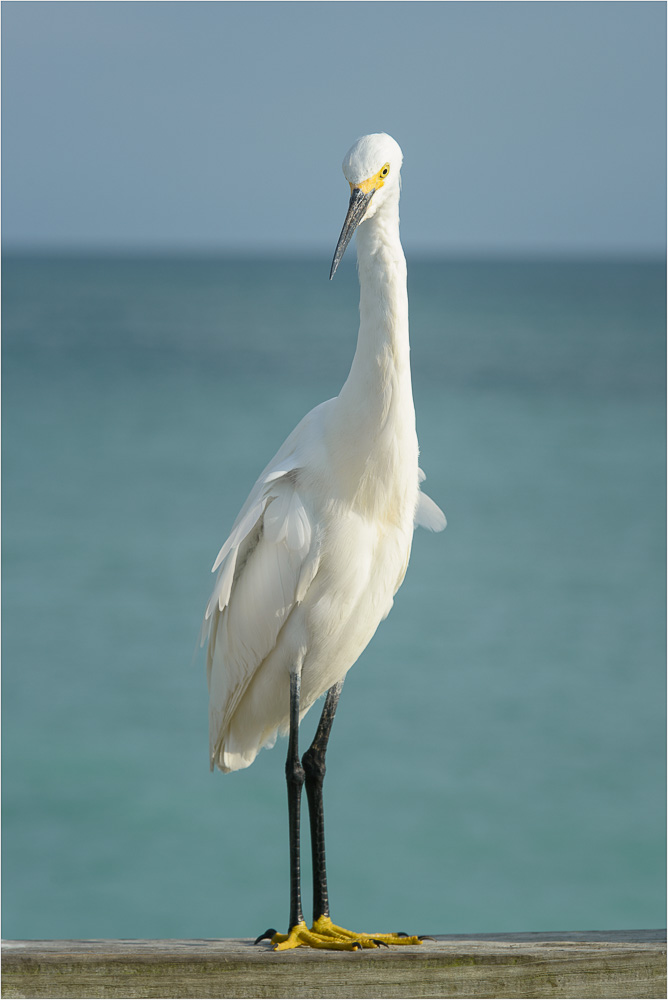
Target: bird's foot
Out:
[323,926]
[325,934]
[300,936]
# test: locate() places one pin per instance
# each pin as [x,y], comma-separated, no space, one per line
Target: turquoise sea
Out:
[497,761]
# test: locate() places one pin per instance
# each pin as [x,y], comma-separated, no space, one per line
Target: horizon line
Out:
[180,250]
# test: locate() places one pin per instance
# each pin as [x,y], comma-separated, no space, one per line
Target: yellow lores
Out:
[372,183]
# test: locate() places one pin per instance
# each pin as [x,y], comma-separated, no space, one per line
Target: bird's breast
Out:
[362,563]
[372,458]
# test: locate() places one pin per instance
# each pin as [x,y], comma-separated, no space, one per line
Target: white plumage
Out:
[323,541]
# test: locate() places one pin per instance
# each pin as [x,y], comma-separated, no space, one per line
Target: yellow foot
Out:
[324,926]
[325,934]
[301,937]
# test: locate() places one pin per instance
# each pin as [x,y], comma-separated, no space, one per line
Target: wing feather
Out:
[428,514]
[266,567]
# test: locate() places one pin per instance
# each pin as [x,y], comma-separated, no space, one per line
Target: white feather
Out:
[428,514]
[323,541]
[240,530]
[251,607]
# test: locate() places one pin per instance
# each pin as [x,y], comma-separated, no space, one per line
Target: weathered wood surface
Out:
[578,965]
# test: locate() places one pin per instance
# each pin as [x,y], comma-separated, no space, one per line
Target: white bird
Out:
[322,544]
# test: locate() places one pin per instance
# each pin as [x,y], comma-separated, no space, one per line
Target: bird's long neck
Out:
[380,376]
[375,417]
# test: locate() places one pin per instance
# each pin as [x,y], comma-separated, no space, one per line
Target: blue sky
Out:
[526,127]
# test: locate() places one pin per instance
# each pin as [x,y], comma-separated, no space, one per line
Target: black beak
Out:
[356,209]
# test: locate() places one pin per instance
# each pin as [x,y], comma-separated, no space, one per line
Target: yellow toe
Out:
[325,934]
[293,939]
[324,927]
[301,937]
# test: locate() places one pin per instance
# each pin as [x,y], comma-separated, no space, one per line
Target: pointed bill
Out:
[359,201]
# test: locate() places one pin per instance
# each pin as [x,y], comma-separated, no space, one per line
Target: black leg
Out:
[314,770]
[294,773]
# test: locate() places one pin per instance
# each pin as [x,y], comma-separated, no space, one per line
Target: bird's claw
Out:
[267,936]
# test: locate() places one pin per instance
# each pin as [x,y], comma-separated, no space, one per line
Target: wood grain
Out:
[579,965]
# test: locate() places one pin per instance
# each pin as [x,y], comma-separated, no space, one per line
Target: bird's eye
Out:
[385,171]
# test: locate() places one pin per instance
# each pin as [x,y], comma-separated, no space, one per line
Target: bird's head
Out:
[372,167]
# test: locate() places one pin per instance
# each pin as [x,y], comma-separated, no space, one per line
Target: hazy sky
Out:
[530,126]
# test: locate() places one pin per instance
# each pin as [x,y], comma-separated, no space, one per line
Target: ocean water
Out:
[497,761]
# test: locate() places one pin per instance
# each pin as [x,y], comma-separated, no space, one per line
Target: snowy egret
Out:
[322,544]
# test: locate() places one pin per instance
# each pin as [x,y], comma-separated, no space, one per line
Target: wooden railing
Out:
[578,965]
